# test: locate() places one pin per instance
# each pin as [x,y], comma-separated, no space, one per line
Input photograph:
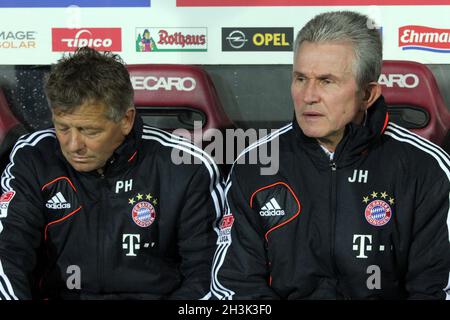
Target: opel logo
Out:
[236,39]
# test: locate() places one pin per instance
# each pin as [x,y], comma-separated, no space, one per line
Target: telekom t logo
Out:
[131,242]
[359,244]
[362,243]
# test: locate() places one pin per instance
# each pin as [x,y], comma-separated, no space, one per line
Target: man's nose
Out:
[76,142]
[311,95]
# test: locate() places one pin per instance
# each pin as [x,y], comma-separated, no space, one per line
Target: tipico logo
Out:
[424,38]
[103,39]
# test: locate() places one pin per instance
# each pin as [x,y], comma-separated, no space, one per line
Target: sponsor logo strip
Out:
[256,3]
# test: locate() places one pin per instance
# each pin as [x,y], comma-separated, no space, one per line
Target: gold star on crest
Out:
[155,202]
[148,196]
[131,201]
[139,196]
[382,195]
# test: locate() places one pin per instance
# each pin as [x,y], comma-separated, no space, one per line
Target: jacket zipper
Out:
[333,198]
[333,205]
[101,241]
[102,225]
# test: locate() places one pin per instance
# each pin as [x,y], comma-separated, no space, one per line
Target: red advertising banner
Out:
[424,38]
[103,39]
[273,3]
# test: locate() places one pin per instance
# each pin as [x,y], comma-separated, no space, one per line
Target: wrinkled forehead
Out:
[88,108]
[326,57]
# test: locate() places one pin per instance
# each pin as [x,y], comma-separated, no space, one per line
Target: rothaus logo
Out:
[271,208]
[153,83]
[408,81]
[58,202]
[150,39]
[180,38]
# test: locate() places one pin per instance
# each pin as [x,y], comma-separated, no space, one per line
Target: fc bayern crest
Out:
[143,214]
[378,213]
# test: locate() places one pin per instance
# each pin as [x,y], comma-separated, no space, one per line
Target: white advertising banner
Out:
[208,31]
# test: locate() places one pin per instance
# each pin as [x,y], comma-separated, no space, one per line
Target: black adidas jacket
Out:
[372,224]
[144,230]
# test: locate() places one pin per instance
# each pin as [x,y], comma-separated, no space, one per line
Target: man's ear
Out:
[128,121]
[371,94]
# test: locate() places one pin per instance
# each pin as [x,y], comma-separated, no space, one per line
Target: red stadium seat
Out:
[10,130]
[173,96]
[414,99]
[7,119]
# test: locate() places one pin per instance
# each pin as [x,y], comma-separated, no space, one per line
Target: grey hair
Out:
[88,76]
[350,26]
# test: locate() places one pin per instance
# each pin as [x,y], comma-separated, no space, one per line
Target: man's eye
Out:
[326,81]
[63,129]
[90,132]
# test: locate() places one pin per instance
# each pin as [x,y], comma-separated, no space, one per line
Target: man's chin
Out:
[313,133]
[312,130]
[84,167]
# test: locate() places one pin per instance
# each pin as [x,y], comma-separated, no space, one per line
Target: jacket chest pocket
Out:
[276,204]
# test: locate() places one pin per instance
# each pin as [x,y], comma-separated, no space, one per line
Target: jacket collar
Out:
[127,151]
[357,140]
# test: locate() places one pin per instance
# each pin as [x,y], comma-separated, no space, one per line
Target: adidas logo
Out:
[271,208]
[57,202]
